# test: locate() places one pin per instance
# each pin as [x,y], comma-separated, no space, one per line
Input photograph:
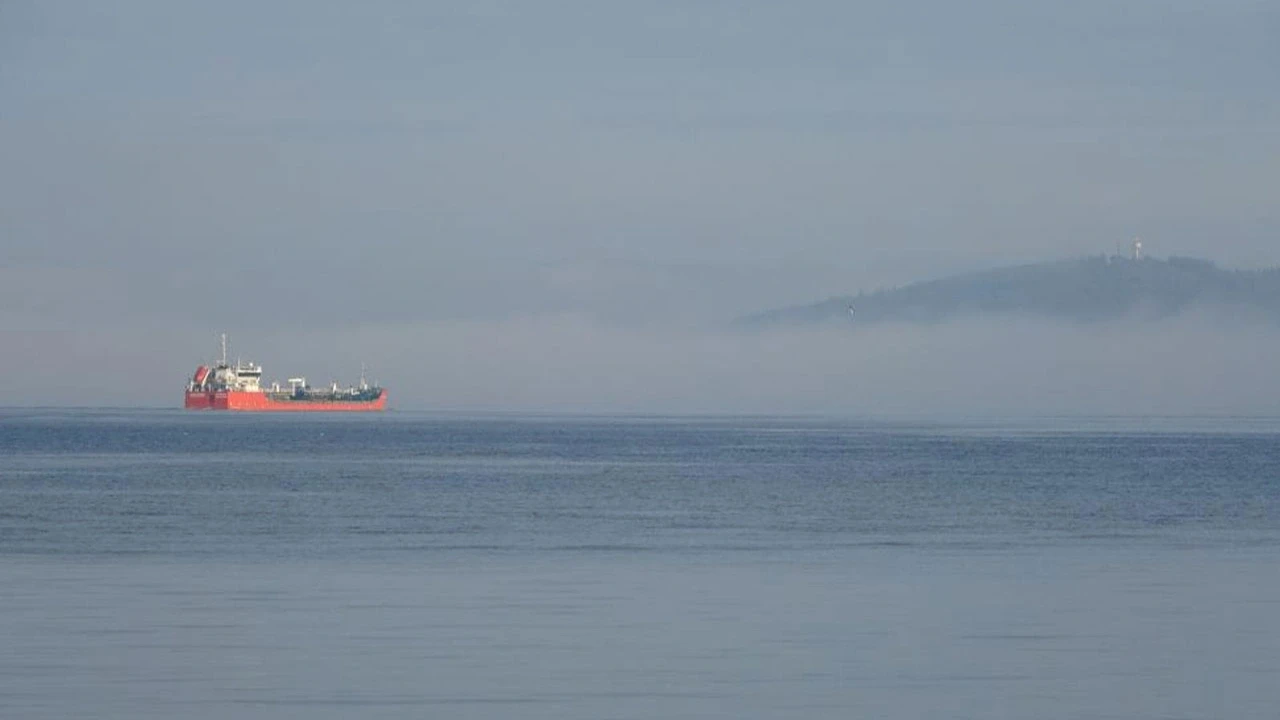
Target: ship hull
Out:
[262,402]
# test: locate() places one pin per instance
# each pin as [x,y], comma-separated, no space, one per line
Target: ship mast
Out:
[224,349]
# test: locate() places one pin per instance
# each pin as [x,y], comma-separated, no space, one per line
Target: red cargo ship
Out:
[239,387]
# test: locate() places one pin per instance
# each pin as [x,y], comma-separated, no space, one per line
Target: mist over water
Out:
[204,565]
[1199,363]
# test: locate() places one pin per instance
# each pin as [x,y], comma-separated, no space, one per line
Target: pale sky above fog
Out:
[169,170]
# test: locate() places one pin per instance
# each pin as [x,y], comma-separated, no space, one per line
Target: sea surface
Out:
[161,564]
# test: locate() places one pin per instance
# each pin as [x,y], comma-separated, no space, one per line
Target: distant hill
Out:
[1085,290]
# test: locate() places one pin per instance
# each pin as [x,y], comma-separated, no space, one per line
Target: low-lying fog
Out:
[1203,363]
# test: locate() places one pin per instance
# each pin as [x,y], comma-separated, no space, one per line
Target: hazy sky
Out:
[169,170]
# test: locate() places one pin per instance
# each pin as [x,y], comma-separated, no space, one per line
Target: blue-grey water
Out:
[156,564]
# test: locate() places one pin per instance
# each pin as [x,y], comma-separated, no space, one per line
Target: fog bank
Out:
[1201,364]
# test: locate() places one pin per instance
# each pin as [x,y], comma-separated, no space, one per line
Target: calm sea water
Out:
[157,564]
